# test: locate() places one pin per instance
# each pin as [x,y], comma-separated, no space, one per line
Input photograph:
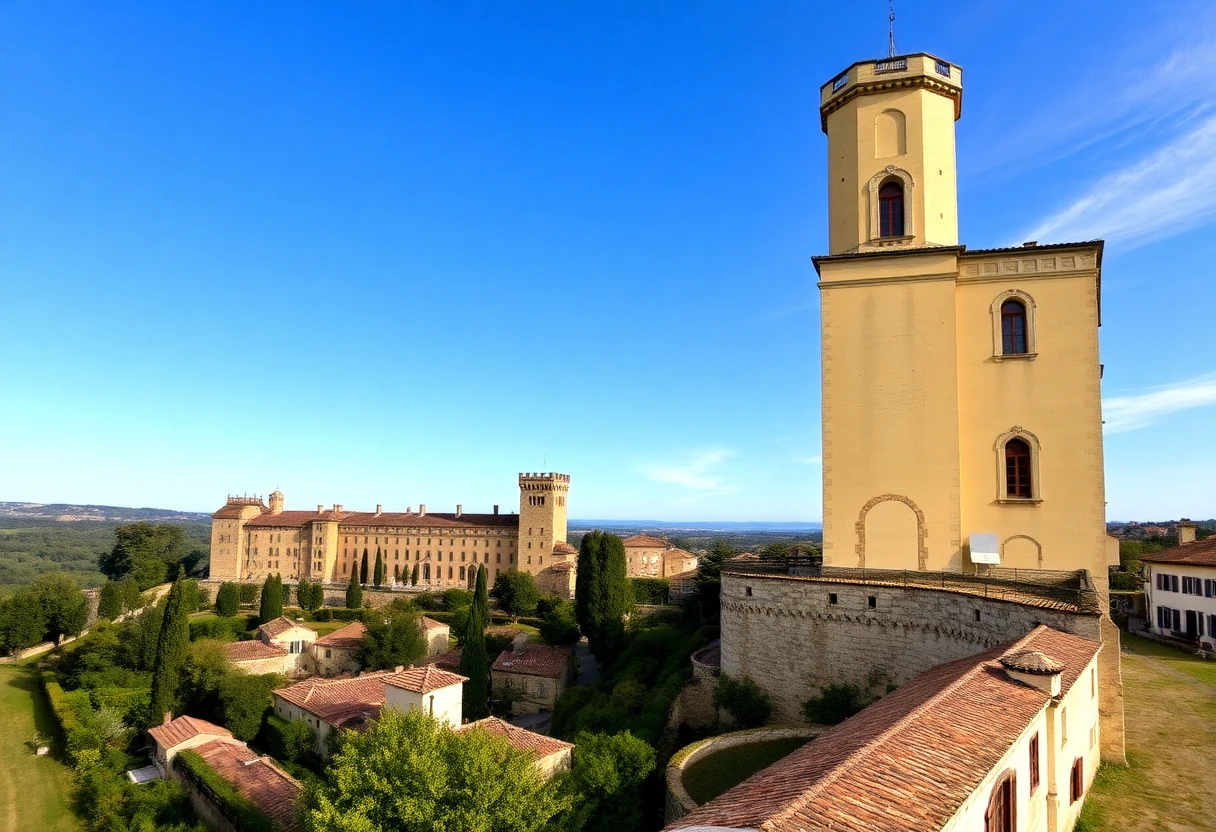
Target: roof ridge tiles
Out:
[867,747]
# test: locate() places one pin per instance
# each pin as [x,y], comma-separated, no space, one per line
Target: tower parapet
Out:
[542,519]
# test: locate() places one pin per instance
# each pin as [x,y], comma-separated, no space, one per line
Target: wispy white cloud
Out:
[701,473]
[1140,410]
[1154,197]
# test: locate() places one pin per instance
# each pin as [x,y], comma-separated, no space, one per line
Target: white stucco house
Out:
[1180,588]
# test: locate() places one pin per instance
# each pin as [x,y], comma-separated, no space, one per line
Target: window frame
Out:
[1036,488]
[890,209]
[998,330]
[904,179]
[1007,783]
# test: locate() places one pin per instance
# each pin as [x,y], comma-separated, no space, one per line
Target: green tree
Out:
[516,592]
[64,606]
[481,596]
[414,576]
[132,598]
[228,600]
[354,592]
[149,553]
[394,637]
[743,699]
[588,599]
[618,597]
[474,663]
[109,604]
[272,599]
[709,577]
[559,625]
[22,621]
[244,701]
[602,596]
[378,572]
[310,595]
[396,573]
[411,774]
[363,567]
[833,704]
[172,645]
[147,636]
[605,782]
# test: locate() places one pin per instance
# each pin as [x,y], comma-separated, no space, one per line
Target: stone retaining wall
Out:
[679,801]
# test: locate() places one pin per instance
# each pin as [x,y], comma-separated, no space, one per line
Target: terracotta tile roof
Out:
[687,575]
[563,566]
[644,541]
[233,511]
[297,519]
[907,762]
[432,624]
[344,638]
[1195,553]
[448,659]
[678,553]
[424,679]
[502,630]
[520,738]
[337,700]
[280,625]
[535,660]
[564,548]
[266,786]
[184,728]
[247,651]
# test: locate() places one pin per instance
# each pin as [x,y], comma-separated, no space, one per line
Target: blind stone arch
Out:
[890,134]
[1037,546]
[922,551]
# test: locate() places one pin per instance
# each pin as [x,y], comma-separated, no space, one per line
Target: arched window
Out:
[1017,468]
[891,210]
[1013,328]
[1002,814]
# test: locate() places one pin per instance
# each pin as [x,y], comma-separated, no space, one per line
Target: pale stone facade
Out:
[251,540]
[653,557]
[282,646]
[535,673]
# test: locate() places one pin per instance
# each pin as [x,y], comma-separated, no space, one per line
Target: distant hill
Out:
[702,527]
[72,513]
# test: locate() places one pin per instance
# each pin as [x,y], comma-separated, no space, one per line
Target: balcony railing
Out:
[896,65]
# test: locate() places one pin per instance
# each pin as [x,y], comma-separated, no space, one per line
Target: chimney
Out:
[379,509]
[338,507]
[422,509]
[1033,668]
[1030,244]
[167,718]
[458,509]
[320,509]
[1186,532]
[496,509]
[519,643]
[399,668]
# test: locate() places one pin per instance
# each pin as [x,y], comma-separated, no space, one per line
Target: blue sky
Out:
[398,252]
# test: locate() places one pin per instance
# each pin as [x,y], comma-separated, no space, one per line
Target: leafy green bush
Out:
[743,699]
[323,615]
[232,803]
[288,740]
[1126,581]
[454,599]
[559,626]
[650,590]
[430,601]
[340,614]
[228,600]
[834,704]
[223,629]
[248,594]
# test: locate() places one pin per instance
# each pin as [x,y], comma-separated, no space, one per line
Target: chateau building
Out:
[250,540]
[652,557]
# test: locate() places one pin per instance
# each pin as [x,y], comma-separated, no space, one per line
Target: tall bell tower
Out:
[542,518]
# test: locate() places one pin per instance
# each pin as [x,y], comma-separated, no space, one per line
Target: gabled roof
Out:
[561,547]
[247,651]
[344,638]
[448,659]
[337,700]
[519,738]
[263,783]
[184,728]
[1195,553]
[424,679]
[907,762]
[280,625]
[644,541]
[432,624]
[535,660]
[678,553]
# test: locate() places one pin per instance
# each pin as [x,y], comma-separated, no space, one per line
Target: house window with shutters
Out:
[1002,814]
[1034,763]
[1076,783]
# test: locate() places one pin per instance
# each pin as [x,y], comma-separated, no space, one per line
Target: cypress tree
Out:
[228,599]
[354,592]
[172,646]
[587,582]
[396,574]
[481,597]
[618,596]
[378,573]
[414,576]
[363,567]
[109,605]
[474,663]
[272,599]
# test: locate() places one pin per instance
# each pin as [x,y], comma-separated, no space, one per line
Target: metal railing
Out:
[1072,588]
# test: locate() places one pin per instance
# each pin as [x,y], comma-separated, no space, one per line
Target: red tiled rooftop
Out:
[233,511]
[448,659]
[907,762]
[263,783]
[424,679]
[409,520]
[184,728]
[564,548]
[645,541]
[247,651]
[535,660]
[520,738]
[1195,553]
[335,700]
[280,625]
[344,638]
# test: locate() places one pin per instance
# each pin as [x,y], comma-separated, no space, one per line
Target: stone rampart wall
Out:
[787,635]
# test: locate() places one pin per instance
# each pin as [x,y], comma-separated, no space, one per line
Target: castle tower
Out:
[542,518]
[276,502]
[228,537]
[961,400]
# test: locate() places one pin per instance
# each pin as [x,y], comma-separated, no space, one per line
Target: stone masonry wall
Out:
[785,634]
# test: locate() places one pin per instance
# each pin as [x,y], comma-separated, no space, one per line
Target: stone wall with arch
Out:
[889,536]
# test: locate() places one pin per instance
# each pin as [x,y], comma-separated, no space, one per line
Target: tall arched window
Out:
[1017,468]
[1013,328]
[1002,814]
[891,210]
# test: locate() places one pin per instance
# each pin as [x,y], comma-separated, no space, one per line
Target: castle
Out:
[250,540]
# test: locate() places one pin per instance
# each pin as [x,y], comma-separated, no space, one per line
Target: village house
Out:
[537,674]
[552,755]
[185,732]
[1004,741]
[335,653]
[1180,587]
[652,557]
[280,646]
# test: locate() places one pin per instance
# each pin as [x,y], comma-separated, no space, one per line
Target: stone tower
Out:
[228,553]
[276,502]
[542,518]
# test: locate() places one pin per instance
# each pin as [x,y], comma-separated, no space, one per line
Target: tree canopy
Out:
[354,592]
[409,773]
[172,646]
[602,596]
[272,599]
[605,782]
[150,553]
[394,637]
[474,662]
[378,572]
[516,592]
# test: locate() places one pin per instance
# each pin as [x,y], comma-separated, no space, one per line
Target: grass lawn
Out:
[35,792]
[711,776]
[1170,709]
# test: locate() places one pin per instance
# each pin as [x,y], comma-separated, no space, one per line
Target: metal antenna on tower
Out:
[890,30]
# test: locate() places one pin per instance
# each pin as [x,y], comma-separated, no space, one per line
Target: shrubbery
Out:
[834,704]
[558,625]
[248,594]
[222,629]
[1126,581]
[288,740]
[228,600]
[743,699]
[651,591]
